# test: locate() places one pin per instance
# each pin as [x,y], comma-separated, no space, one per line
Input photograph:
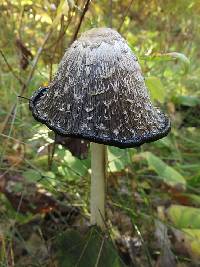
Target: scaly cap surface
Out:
[99,94]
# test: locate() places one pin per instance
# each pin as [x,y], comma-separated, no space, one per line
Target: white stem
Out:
[98,177]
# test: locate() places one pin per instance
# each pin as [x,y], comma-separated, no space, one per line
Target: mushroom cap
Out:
[99,94]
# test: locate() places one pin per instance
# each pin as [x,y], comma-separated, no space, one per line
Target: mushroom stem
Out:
[98,178]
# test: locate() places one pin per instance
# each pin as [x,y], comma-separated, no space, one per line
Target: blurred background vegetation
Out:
[153,201]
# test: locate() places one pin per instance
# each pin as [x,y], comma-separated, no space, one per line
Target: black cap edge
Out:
[135,142]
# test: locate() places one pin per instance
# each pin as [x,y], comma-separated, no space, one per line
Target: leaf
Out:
[164,143]
[118,159]
[88,250]
[194,199]
[168,57]
[182,58]
[184,217]
[192,242]
[156,88]
[188,220]
[188,101]
[166,173]
[32,175]
[73,168]
[189,240]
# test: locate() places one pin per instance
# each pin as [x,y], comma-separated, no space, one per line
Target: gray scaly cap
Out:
[99,94]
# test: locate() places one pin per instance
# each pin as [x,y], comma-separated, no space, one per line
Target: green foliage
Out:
[72,168]
[182,58]
[31,175]
[184,217]
[170,56]
[188,101]
[118,159]
[165,172]
[156,88]
[89,250]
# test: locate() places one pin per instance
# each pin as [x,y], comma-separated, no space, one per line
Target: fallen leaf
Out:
[189,241]
[184,216]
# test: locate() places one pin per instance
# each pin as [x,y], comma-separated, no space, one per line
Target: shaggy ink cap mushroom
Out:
[99,94]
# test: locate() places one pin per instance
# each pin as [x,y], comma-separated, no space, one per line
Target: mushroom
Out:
[99,94]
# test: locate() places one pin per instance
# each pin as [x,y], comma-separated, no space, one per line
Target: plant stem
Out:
[98,178]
